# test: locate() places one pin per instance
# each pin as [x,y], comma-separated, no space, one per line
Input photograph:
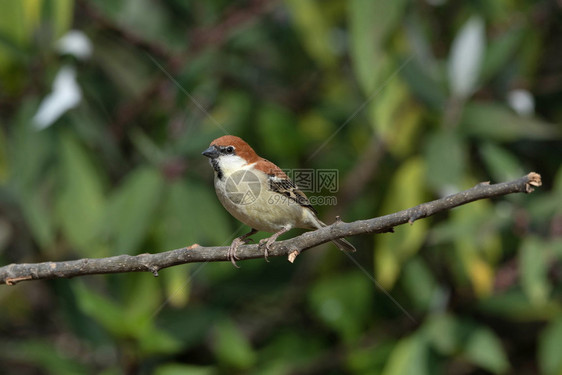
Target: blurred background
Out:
[105,107]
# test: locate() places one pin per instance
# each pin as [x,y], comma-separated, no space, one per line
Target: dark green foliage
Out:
[442,86]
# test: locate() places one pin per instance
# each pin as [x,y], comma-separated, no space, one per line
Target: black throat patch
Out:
[217,168]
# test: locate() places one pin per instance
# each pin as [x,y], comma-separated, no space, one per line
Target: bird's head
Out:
[230,153]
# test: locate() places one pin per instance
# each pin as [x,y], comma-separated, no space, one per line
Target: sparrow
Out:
[259,194]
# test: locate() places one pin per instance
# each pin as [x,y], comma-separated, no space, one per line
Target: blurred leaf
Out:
[550,342]
[80,201]
[423,86]
[391,249]
[533,262]
[30,153]
[125,70]
[485,349]
[149,19]
[231,347]
[500,52]
[465,58]
[277,132]
[290,350]
[152,340]
[105,311]
[179,369]
[130,321]
[371,23]
[131,209]
[191,214]
[408,357]
[341,302]
[189,326]
[477,243]
[389,104]
[369,359]
[176,281]
[480,273]
[444,333]
[139,312]
[314,30]
[419,282]
[502,165]
[492,121]
[38,216]
[395,117]
[19,19]
[62,15]
[44,355]
[446,157]
[515,305]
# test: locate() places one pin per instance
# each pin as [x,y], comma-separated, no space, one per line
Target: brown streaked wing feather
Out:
[280,183]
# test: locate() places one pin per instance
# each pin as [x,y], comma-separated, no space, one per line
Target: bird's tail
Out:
[341,243]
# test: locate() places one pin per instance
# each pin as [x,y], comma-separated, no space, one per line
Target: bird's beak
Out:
[211,152]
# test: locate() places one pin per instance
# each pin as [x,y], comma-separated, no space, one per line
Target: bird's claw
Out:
[265,243]
[231,253]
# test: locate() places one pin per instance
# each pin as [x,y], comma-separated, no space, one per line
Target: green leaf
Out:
[180,369]
[19,19]
[341,302]
[515,305]
[191,213]
[419,282]
[30,153]
[446,158]
[314,30]
[105,311]
[501,163]
[477,244]
[128,73]
[500,52]
[443,332]
[41,353]
[369,359]
[492,121]
[290,350]
[408,357]
[132,320]
[62,14]
[406,190]
[485,349]
[131,209]
[396,118]
[231,347]
[533,261]
[80,201]
[277,131]
[550,342]
[371,23]
[177,285]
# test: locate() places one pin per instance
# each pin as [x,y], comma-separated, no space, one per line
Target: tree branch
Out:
[14,273]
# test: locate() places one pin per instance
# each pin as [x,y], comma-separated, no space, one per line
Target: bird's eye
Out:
[229,150]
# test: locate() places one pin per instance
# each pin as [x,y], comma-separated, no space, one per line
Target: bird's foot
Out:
[267,242]
[231,253]
[242,240]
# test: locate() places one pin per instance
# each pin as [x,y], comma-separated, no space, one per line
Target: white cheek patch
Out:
[231,163]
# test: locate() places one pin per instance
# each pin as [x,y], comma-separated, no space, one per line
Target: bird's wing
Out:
[280,183]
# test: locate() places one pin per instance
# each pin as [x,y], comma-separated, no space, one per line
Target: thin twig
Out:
[14,273]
